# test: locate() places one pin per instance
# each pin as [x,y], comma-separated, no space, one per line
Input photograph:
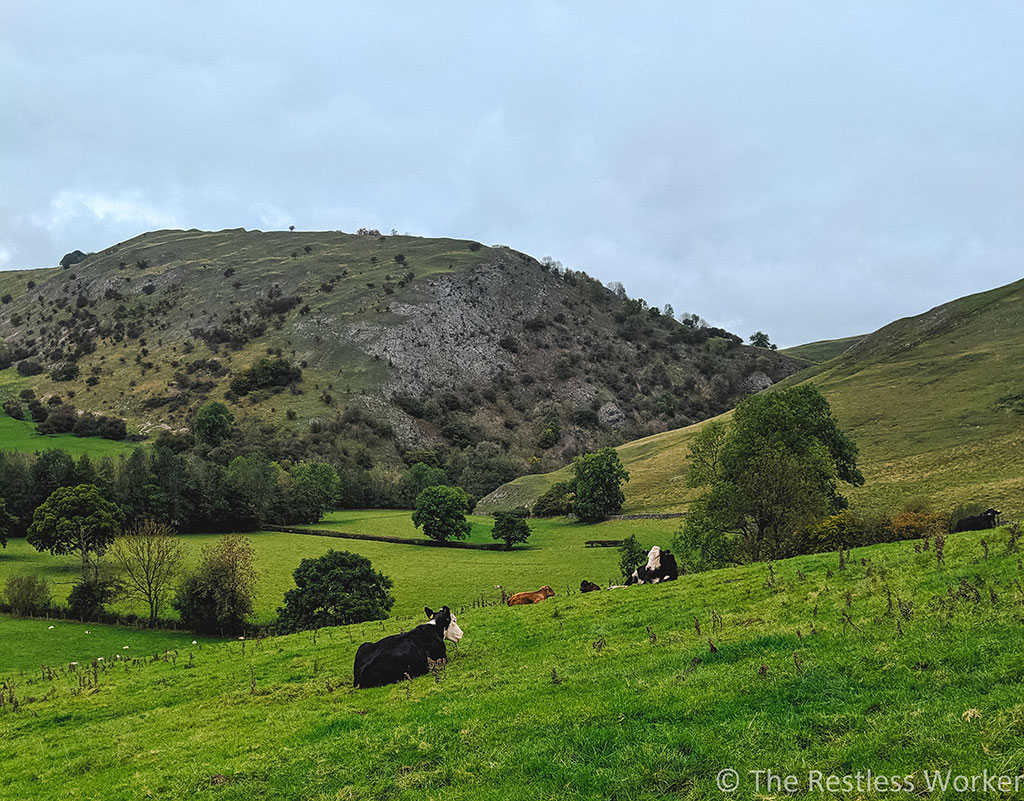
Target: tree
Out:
[556,501]
[27,595]
[511,528]
[251,486]
[759,339]
[441,512]
[598,477]
[212,423]
[416,479]
[631,555]
[335,589]
[770,472]
[313,488]
[7,523]
[149,556]
[75,520]
[218,597]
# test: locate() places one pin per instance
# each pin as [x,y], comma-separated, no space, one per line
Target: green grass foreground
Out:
[611,695]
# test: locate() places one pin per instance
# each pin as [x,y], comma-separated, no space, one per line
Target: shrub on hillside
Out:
[846,529]
[13,409]
[631,555]
[335,589]
[556,501]
[29,367]
[65,372]
[27,595]
[264,374]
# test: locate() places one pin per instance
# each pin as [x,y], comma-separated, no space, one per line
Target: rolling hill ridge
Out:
[381,345]
[935,403]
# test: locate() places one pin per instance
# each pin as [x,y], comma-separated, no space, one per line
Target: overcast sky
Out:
[810,169]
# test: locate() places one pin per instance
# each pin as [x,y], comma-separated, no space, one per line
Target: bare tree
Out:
[150,556]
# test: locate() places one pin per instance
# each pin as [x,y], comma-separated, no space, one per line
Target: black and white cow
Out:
[978,522]
[392,659]
[661,566]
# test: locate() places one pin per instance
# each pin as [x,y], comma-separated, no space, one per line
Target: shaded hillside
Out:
[935,403]
[381,344]
[823,350]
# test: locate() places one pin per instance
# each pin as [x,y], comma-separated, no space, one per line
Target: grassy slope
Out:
[556,556]
[20,435]
[823,350]
[612,695]
[33,643]
[920,398]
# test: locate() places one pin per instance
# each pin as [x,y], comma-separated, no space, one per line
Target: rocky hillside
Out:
[387,343]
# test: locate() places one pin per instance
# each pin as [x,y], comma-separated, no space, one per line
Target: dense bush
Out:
[27,595]
[335,589]
[556,501]
[88,597]
[13,409]
[598,483]
[264,374]
[218,597]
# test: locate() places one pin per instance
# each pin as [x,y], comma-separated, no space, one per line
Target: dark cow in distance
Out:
[588,586]
[978,522]
[661,566]
[408,654]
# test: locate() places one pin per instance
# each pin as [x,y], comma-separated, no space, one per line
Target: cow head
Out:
[993,513]
[444,618]
[546,591]
[654,559]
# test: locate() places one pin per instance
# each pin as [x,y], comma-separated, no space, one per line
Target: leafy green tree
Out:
[770,472]
[75,520]
[212,423]
[218,597]
[52,470]
[335,589]
[631,555]
[312,490]
[7,523]
[251,487]
[510,528]
[416,479]
[599,477]
[441,513]
[759,339]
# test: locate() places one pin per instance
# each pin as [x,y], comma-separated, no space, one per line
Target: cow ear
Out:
[429,611]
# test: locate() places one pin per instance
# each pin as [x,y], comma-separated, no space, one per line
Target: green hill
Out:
[403,343]
[934,402]
[823,350]
[887,662]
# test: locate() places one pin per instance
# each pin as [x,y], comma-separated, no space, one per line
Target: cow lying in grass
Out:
[408,654]
[531,597]
[661,566]
[978,522]
[588,586]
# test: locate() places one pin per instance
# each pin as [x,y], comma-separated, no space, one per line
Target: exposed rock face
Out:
[755,382]
[611,416]
[453,335]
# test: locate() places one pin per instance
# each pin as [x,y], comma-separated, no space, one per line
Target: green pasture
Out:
[889,662]
[556,555]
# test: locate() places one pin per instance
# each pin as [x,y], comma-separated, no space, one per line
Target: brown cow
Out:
[531,597]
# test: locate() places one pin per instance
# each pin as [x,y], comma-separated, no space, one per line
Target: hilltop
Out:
[935,402]
[385,346]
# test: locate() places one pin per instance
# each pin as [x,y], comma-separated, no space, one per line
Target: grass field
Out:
[891,663]
[20,435]
[924,398]
[556,556]
[31,643]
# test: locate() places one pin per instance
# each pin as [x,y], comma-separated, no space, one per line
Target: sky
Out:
[812,170]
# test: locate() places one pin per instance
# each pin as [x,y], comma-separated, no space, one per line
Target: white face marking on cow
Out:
[654,558]
[453,632]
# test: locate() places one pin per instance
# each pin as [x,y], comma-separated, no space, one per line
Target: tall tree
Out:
[441,513]
[770,472]
[598,478]
[150,556]
[7,523]
[75,520]
[212,423]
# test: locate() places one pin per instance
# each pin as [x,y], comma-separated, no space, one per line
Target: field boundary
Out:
[347,535]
